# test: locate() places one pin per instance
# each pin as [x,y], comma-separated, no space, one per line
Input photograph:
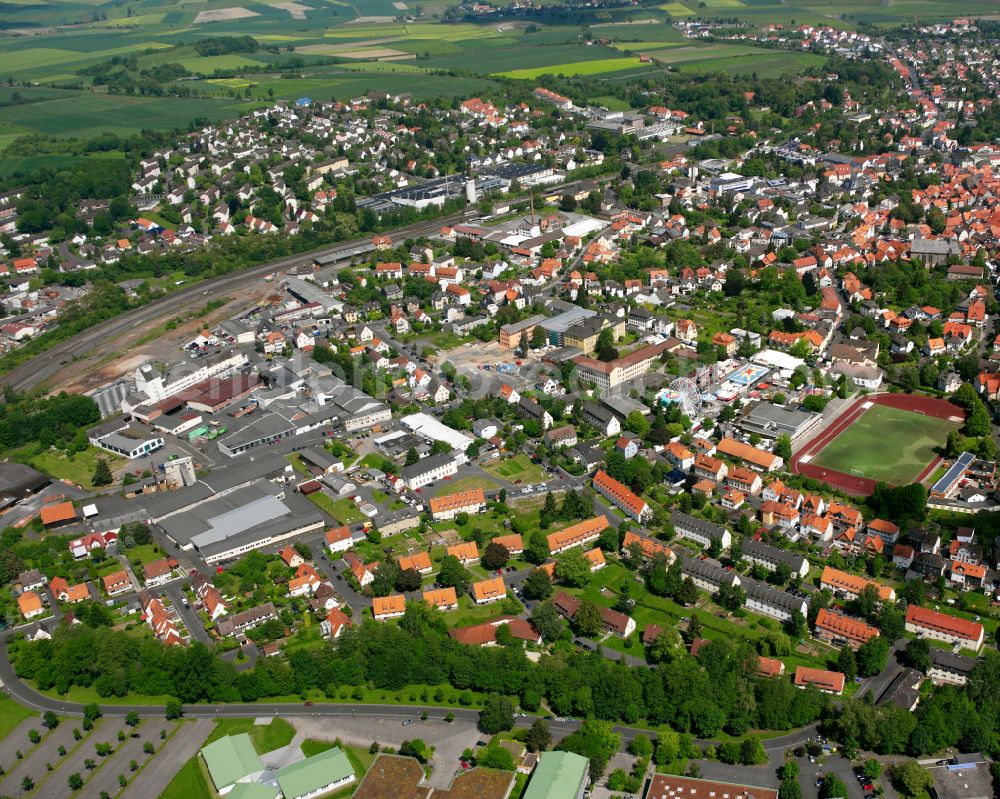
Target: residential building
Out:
[441,598]
[486,592]
[759,553]
[829,682]
[850,586]
[450,505]
[576,535]
[388,607]
[843,630]
[428,470]
[928,623]
[621,497]
[700,531]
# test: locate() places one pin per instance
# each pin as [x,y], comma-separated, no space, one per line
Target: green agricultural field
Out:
[599,67]
[886,444]
[92,114]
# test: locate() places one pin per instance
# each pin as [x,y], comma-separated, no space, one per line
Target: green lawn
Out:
[12,714]
[343,510]
[78,468]
[520,467]
[467,484]
[265,737]
[886,444]
[191,782]
[145,554]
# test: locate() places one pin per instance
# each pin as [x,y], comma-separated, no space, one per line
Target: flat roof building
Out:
[316,775]
[230,760]
[245,519]
[558,775]
[668,786]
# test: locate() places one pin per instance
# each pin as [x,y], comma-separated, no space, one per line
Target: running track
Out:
[862,486]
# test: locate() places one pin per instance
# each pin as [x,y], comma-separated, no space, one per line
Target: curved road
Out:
[560,728]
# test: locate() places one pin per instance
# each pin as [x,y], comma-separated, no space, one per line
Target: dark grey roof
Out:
[768,595]
[16,480]
[958,664]
[706,570]
[771,554]
[425,465]
[682,521]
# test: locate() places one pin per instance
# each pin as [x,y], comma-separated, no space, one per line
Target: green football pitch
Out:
[886,444]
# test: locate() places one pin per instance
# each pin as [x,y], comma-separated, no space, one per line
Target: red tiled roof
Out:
[942,622]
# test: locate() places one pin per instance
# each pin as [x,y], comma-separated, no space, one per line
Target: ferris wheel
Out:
[684,392]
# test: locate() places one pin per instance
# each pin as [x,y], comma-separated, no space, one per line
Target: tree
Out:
[783,446]
[636,423]
[537,585]
[688,594]
[910,778]
[538,737]
[538,337]
[75,781]
[605,348]
[588,621]
[832,787]
[872,769]
[497,715]
[453,574]
[846,664]
[789,789]
[173,709]
[495,557]
[595,740]
[132,718]
[546,619]
[50,720]
[573,568]
[917,654]
[641,747]
[796,626]
[495,756]
[91,713]
[102,477]
[412,457]
[873,656]
[408,580]
[537,547]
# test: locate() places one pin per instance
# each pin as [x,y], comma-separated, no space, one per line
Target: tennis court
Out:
[886,444]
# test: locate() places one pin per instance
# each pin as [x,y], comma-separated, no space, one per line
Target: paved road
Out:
[560,728]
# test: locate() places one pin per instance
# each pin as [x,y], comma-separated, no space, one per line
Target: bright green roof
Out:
[314,772]
[558,775]
[252,790]
[230,759]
